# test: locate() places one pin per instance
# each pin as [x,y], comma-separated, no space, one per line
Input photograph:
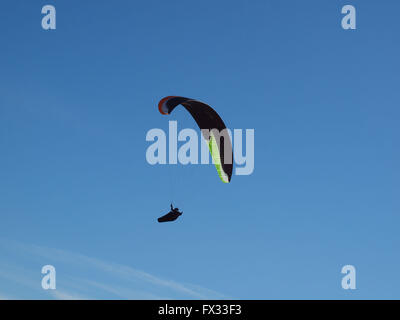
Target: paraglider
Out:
[214,132]
[170,216]
[210,124]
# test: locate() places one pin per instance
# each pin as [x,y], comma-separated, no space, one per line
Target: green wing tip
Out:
[212,145]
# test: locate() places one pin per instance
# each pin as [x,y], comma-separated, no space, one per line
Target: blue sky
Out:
[76,191]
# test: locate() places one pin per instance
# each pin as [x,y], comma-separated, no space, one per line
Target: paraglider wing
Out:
[207,119]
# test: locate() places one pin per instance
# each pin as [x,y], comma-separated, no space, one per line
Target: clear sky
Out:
[76,191]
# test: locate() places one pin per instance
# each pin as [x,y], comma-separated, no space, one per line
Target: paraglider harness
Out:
[170,216]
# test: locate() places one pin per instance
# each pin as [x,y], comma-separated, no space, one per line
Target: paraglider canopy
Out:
[212,127]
